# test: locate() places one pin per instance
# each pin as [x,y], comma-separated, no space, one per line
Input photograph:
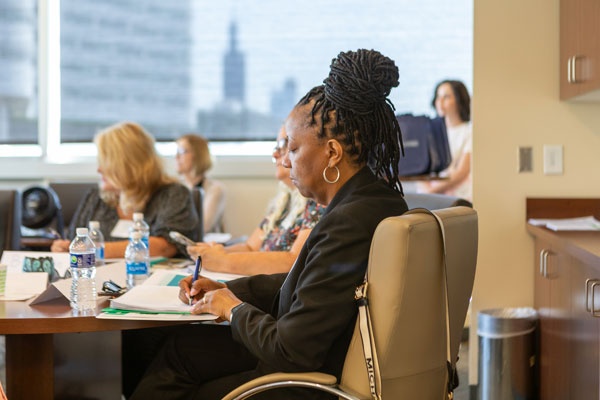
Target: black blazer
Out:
[304,321]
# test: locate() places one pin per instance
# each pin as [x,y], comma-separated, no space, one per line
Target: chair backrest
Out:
[70,195]
[406,301]
[434,201]
[10,220]
[197,194]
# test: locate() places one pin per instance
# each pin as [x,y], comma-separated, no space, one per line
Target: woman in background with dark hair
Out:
[451,101]
[343,151]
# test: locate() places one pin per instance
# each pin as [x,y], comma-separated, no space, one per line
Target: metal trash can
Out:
[507,362]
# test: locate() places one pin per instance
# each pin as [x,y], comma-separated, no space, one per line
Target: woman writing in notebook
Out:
[343,151]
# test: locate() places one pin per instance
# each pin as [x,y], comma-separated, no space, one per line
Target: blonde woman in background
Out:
[274,245]
[133,179]
[193,161]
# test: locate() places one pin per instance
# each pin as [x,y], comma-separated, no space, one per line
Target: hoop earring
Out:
[337,178]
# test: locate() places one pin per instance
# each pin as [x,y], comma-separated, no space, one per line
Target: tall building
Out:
[284,99]
[235,71]
[18,61]
[125,60]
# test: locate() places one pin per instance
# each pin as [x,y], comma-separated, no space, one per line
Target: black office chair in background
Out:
[41,213]
[10,220]
[70,195]
[197,195]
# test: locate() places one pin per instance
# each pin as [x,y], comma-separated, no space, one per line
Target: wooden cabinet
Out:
[580,50]
[585,350]
[553,303]
[566,295]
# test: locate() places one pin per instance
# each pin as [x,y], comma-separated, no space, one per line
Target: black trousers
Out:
[202,361]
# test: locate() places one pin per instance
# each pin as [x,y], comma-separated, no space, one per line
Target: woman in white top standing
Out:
[193,161]
[452,101]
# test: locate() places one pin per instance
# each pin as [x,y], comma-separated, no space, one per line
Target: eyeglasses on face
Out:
[280,147]
[181,152]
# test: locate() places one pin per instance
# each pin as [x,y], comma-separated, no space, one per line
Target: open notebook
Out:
[158,299]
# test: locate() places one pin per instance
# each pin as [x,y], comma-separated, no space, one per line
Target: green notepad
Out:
[118,311]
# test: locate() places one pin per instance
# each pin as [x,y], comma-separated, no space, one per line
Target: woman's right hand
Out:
[60,245]
[197,290]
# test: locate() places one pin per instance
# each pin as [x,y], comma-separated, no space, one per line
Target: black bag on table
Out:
[426,149]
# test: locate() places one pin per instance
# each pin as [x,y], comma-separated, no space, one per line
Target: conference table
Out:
[47,344]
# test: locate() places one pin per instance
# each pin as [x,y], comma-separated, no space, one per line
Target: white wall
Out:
[516,103]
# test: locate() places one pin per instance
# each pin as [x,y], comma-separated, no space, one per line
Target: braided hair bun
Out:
[359,80]
[352,106]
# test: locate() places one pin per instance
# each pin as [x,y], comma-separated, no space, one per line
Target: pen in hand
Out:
[196,274]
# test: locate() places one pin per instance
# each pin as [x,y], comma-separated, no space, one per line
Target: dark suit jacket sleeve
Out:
[321,308]
[258,290]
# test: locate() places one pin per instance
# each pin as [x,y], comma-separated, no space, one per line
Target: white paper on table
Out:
[62,287]
[24,285]
[587,223]
[216,237]
[215,276]
[121,229]
[14,259]
[154,298]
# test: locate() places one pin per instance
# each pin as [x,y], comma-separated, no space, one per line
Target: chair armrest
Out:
[318,378]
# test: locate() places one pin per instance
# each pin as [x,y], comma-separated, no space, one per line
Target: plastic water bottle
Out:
[140,225]
[98,238]
[137,260]
[83,270]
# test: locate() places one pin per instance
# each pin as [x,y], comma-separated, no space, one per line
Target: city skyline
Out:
[166,65]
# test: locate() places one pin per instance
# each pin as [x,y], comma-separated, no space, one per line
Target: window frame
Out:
[51,159]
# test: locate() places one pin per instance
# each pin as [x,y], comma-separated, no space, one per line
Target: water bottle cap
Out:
[138,216]
[82,231]
[94,224]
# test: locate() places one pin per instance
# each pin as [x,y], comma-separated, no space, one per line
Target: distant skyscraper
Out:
[234,66]
[284,99]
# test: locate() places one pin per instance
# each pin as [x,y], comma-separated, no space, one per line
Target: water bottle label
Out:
[83,260]
[137,268]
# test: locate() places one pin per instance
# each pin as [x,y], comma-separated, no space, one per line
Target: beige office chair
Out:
[407,308]
[434,201]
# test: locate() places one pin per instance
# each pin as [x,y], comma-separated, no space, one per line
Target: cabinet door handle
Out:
[590,286]
[572,69]
[544,262]
[543,255]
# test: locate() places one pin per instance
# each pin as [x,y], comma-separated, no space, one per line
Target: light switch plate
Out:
[525,159]
[553,159]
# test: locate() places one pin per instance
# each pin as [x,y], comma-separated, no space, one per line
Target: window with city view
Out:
[230,70]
